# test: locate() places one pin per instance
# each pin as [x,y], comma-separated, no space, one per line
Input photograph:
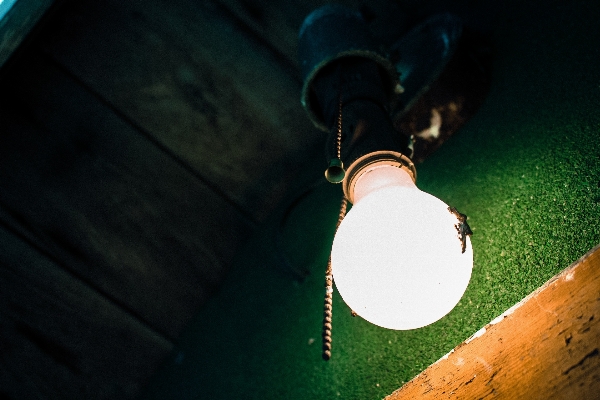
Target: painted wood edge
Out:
[439,379]
[18,22]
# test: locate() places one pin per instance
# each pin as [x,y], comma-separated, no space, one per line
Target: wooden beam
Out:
[278,23]
[196,84]
[97,197]
[60,339]
[545,347]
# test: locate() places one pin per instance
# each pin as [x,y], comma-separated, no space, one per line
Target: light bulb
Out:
[397,257]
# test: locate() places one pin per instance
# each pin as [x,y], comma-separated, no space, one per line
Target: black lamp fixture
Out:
[401,258]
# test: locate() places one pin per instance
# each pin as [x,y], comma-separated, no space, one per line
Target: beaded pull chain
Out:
[328,307]
[338,141]
[335,172]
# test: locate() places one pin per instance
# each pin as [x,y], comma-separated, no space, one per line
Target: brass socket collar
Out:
[364,163]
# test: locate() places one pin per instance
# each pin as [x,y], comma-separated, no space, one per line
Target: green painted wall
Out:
[526,169]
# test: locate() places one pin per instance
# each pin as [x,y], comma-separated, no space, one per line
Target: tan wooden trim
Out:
[544,347]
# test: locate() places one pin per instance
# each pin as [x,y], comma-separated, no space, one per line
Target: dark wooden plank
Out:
[59,339]
[197,84]
[545,347]
[106,203]
[278,22]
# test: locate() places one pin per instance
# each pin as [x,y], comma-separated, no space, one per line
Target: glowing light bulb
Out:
[397,258]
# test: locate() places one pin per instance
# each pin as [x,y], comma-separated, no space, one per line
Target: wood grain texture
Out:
[198,85]
[545,347]
[278,23]
[108,205]
[59,339]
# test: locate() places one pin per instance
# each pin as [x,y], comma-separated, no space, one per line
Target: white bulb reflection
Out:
[397,259]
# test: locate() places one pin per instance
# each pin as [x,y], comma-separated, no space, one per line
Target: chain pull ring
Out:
[335,172]
[339,131]
[328,307]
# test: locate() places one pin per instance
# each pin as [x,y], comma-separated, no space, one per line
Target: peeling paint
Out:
[477,334]
[569,276]
[445,356]
[459,361]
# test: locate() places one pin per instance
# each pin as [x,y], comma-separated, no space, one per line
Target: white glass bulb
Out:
[397,258]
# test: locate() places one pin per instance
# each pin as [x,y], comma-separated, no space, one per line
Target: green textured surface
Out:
[526,169]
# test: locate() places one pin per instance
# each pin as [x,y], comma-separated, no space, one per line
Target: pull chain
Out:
[328,307]
[335,172]
[339,132]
